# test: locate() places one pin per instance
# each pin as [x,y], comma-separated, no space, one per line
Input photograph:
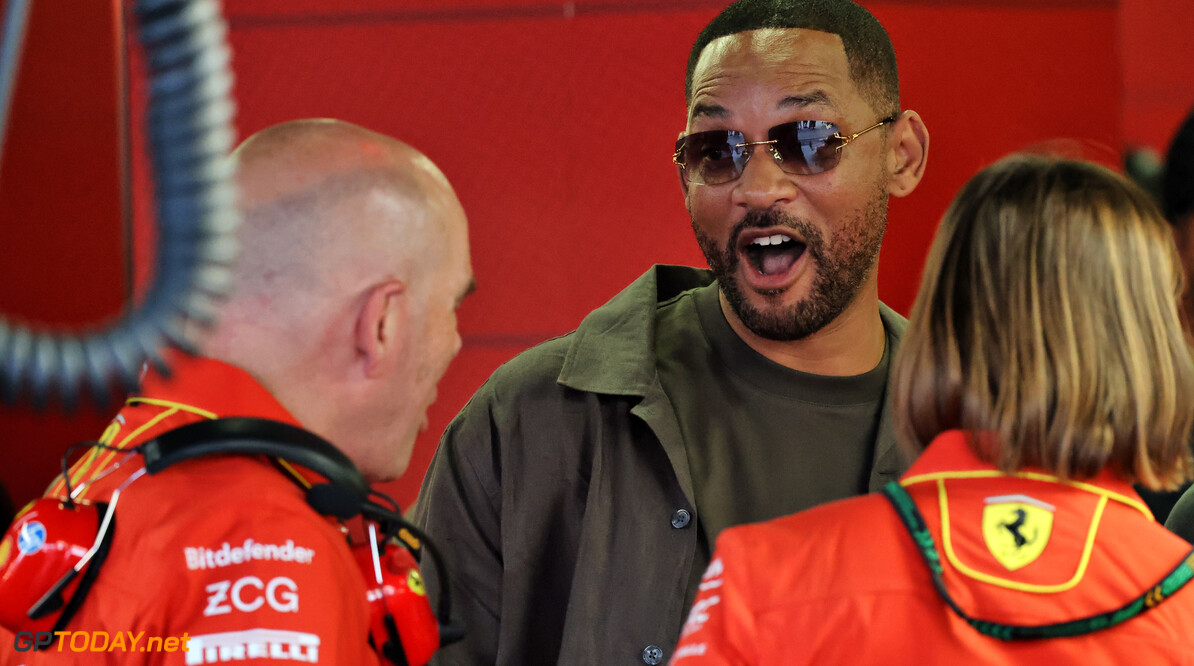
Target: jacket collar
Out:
[613,349]
[949,454]
[612,352]
[213,389]
[207,385]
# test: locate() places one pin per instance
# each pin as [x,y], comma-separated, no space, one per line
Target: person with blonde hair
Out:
[1043,371]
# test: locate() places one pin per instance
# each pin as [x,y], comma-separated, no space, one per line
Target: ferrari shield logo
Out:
[1016,529]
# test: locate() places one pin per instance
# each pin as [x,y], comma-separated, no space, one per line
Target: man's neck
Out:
[851,344]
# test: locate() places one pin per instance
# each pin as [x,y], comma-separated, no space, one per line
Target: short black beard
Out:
[842,266]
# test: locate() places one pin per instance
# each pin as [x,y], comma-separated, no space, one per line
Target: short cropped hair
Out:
[1046,323]
[1177,185]
[869,52]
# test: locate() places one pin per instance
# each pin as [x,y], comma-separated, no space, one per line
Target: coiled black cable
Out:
[189,128]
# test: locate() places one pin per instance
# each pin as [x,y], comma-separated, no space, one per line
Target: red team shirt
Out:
[224,549]
[844,584]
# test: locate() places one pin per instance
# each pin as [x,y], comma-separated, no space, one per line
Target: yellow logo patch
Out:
[415,582]
[1016,529]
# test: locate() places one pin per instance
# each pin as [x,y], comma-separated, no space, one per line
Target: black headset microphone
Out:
[329,500]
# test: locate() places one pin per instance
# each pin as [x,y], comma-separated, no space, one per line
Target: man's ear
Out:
[380,321]
[908,153]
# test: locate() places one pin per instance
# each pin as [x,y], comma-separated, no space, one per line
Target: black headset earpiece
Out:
[54,598]
[342,496]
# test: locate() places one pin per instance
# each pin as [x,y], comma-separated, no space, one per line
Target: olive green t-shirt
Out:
[763,440]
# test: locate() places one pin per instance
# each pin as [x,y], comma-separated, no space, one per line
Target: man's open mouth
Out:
[774,254]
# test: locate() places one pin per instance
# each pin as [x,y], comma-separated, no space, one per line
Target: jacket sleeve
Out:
[720,630]
[459,508]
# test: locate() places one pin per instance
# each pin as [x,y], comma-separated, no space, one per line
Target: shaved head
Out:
[354,256]
[328,204]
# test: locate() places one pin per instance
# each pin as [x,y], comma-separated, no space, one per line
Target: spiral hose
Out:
[190,134]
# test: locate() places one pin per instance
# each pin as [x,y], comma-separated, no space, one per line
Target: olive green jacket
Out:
[556,496]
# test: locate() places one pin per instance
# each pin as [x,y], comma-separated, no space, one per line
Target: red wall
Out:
[1157,48]
[555,121]
[61,233]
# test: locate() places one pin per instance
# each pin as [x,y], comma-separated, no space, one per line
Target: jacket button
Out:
[652,655]
[681,518]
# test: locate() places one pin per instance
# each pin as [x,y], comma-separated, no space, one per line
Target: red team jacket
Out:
[223,549]
[844,584]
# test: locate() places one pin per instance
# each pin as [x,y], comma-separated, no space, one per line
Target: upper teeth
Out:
[770,240]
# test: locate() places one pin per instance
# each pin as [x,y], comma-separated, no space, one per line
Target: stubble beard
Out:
[842,265]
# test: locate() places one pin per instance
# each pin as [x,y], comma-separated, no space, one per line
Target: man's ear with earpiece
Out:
[379,325]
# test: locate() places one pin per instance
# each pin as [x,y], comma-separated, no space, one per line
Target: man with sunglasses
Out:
[581,490]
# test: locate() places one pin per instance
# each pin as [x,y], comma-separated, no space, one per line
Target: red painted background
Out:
[61,229]
[1157,66]
[555,121]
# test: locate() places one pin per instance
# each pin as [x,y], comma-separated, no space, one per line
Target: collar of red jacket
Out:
[950,452]
[214,386]
[222,389]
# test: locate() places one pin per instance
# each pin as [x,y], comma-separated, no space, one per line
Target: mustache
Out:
[771,217]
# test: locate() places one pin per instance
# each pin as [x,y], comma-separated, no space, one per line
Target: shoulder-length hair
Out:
[1047,317]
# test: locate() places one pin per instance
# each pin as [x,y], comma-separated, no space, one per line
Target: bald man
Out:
[354,260]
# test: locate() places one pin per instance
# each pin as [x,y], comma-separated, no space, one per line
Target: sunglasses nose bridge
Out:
[748,149]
